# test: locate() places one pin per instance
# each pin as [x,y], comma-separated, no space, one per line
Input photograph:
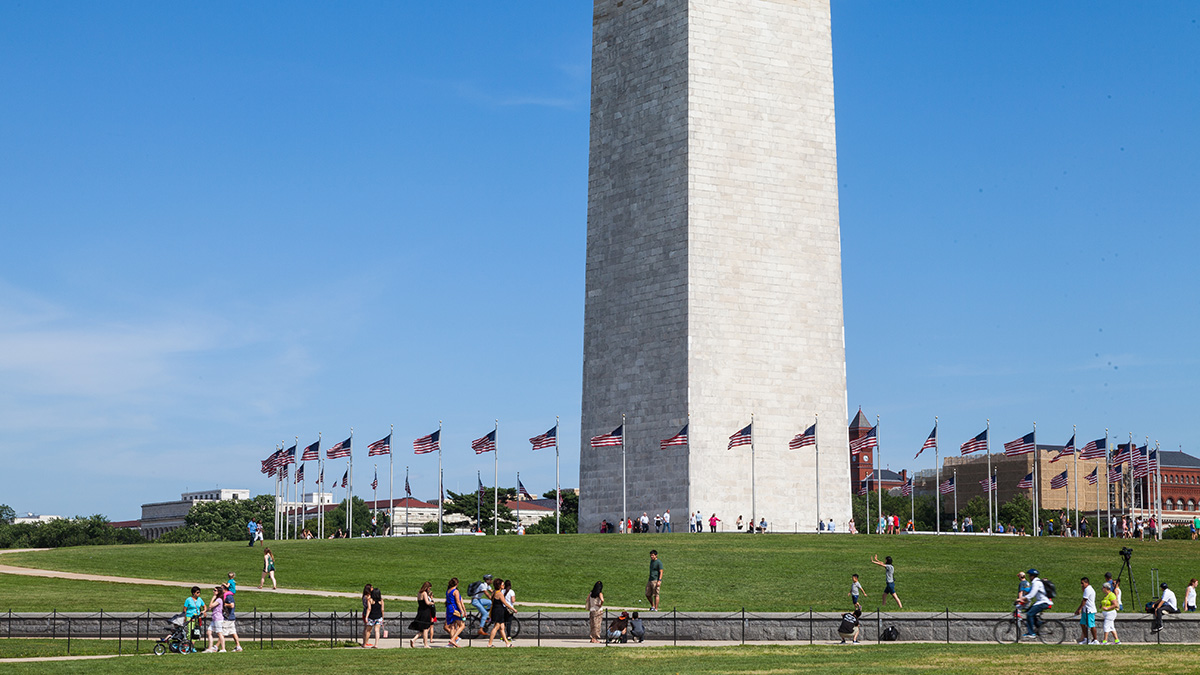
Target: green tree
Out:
[465,503]
[976,509]
[226,519]
[570,502]
[336,518]
[7,514]
[569,525]
[77,531]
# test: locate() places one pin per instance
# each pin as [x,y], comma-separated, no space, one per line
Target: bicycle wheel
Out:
[160,649]
[186,647]
[514,628]
[472,624]
[1006,631]
[1052,632]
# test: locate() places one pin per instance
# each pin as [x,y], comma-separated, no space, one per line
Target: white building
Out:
[159,518]
[33,518]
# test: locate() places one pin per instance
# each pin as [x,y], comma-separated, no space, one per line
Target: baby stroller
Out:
[179,641]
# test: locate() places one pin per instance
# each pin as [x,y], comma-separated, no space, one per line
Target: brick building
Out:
[861,467]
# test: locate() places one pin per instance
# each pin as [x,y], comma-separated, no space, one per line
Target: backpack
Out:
[475,588]
[1051,591]
[890,634]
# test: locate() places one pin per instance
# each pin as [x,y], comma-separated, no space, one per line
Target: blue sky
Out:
[228,225]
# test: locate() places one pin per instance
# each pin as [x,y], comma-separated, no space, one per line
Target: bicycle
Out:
[472,623]
[1010,629]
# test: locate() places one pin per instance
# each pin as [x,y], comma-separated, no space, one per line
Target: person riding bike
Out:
[478,591]
[1038,600]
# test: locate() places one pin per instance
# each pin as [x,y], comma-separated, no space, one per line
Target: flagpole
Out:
[1107,489]
[303,483]
[817,461]
[937,476]
[408,497]
[518,499]
[478,502]
[753,492]
[988,450]
[391,513]
[321,483]
[275,534]
[287,491]
[350,491]
[878,468]
[557,487]
[439,478]
[624,495]
[955,476]
[1132,496]
[1158,525]
[496,478]
[1075,475]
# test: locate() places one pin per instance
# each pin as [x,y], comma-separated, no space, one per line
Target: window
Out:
[1191,505]
[1170,506]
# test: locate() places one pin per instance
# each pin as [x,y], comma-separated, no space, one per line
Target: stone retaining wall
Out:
[665,626]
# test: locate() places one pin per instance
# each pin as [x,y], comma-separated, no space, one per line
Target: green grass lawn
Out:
[716,572]
[42,647]
[819,660]
[37,594]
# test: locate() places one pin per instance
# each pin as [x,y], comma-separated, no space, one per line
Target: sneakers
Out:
[1106,642]
[210,650]
[220,651]
[1117,641]
[1094,642]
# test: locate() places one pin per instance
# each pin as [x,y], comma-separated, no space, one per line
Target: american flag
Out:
[407,487]
[866,441]
[809,437]
[340,450]
[862,488]
[1096,449]
[930,442]
[615,438]
[427,444]
[680,438]
[1067,450]
[482,491]
[987,485]
[1022,446]
[522,491]
[546,440]
[1115,474]
[375,482]
[346,478]
[1146,463]
[1123,454]
[485,444]
[1094,476]
[1059,481]
[1025,483]
[321,477]
[300,474]
[289,456]
[947,486]
[975,444]
[283,472]
[382,446]
[906,489]
[743,436]
[312,453]
[270,465]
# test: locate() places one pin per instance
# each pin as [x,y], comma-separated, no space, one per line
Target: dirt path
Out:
[55,574]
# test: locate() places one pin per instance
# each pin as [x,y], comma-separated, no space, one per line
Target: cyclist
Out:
[479,599]
[1038,600]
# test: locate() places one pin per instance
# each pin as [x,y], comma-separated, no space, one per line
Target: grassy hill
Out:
[716,572]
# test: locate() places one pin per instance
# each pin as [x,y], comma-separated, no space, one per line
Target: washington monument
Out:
[714,281]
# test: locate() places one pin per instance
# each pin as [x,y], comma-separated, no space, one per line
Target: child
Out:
[856,590]
[232,584]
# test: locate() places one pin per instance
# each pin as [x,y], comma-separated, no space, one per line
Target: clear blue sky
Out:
[224,225]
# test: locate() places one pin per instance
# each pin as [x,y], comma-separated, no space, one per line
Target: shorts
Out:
[1110,619]
[890,589]
[216,627]
[374,622]
[228,627]
[1087,619]
[854,598]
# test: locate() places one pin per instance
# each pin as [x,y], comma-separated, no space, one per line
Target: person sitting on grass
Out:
[849,627]
[619,628]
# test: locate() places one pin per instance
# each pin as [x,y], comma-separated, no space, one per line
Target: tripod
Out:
[1125,567]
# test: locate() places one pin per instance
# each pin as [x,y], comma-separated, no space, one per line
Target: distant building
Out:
[159,518]
[33,518]
[861,467]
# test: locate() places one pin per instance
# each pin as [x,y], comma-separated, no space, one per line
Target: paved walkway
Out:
[55,574]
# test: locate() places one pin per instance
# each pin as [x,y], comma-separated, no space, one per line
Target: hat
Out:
[624,615]
[487,576]
[1163,585]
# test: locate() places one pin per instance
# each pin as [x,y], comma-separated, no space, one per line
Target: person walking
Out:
[1108,609]
[510,599]
[889,574]
[229,624]
[856,590]
[712,523]
[667,521]
[595,607]
[1189,596]
[375,616]
[193,613]
[268,569]
[217,606]
[500,612]
[258,532]
[739,524]
[252,530]
[423,624]
[655,581]
[366,603]
[1087,613]
[455,612]
[699,523]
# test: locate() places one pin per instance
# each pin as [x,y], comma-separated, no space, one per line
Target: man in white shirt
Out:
[1087,613]
[667,521]
[1165,604]
[1038,602]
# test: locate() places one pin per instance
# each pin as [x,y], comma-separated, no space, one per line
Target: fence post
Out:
[258,622]
[810,625]
[947,625]
[331,630]
[54,624]
[120,630]
[743,624]
[605,626]
[137,641]
[272,630]
[878,625]
[539,623]
[100,624]
[309,623]
[674,627]
[68,636]
[10,622]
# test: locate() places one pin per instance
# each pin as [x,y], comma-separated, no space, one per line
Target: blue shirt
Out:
[193,607]
[232,586]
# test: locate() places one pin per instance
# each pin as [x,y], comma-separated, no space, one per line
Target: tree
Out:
[465,503]
[7,514]
[977,510]
[570,502]
[226,519]
[336,519]
[569,525]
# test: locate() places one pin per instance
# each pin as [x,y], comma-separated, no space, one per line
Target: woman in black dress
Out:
[423,624]
[500,613]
